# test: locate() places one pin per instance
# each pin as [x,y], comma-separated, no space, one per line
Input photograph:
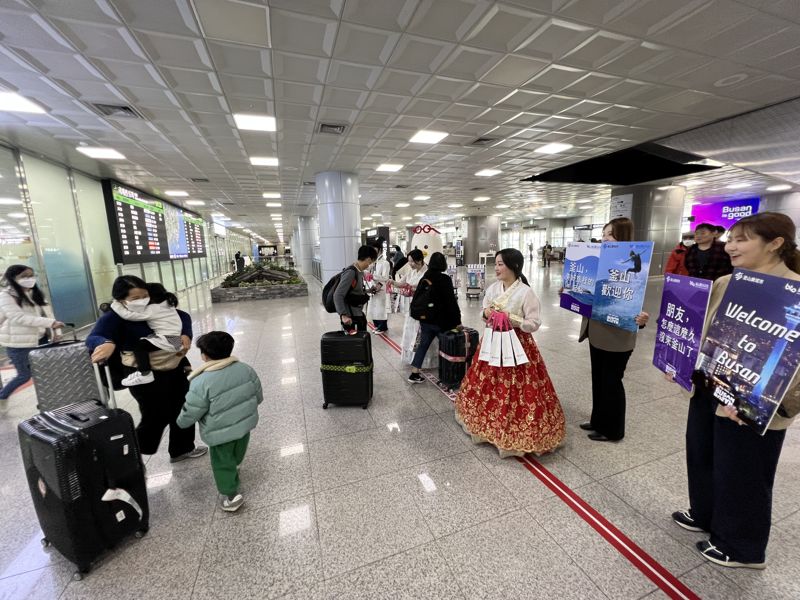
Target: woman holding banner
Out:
[514,408]
[609,350]
[731,469]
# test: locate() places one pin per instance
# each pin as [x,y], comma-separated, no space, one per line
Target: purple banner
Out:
[724,213]
[680,326]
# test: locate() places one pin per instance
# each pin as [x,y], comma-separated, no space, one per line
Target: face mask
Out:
[137,305]
[27,282]
[688,243]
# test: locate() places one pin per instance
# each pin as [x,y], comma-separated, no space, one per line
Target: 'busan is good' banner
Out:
[621,283]
[751,350]
[680,326]
[580,272]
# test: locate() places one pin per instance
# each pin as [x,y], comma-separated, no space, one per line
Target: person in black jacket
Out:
[440,314]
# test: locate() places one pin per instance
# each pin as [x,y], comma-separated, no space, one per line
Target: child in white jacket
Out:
[159,310]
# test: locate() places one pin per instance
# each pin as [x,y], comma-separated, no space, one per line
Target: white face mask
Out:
[27,282]
[137,305]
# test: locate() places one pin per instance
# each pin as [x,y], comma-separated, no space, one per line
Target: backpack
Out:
[421,307]
[330,288]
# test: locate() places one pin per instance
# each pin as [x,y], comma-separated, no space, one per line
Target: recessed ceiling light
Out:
[667,187]
[263,161]
[693,182]
[455,205]
[497,215]
[176,193]
[271,195]
[428,137]
[547,206]
[481,198]
[738,186]
[366,218]
[501,206]
[586,207]
[553,148]
[779,188]
[387,224]
[272,204]
[402,205]
[10,201]
[488,173]
[407,218]
[538,218]
[389,168]
[275,215]
[195,203]
[422,197]
[419,214]
[17,215]
[253,122]
[100,153]
[377,215]
[13,102]
[584,201]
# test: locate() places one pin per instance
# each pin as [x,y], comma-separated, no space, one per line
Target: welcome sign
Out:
[725,213]
[751,351]
[580,271]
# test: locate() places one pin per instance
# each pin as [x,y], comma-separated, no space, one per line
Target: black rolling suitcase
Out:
[346,365]
[456,349]
[86,477]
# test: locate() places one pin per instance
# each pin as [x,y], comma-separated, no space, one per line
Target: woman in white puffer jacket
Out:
[25,318]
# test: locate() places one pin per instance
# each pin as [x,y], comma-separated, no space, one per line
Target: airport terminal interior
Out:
[194,142]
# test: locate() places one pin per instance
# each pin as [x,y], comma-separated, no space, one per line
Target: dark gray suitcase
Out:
[62,372]
[346,368]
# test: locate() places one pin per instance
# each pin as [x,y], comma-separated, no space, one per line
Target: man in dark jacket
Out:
[707,259]
[349,296]
[442,311]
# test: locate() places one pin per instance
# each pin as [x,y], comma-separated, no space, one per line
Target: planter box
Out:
[270,292]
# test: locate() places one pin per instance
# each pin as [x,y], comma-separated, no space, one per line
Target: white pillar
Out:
[306,239]
[339,220]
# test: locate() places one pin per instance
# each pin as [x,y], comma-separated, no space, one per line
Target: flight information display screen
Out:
[147,229]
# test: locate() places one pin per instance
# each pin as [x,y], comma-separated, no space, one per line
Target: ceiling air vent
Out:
[476,189]
[331,128]
[401,186]
[482,141]
[309,183]
[198,179]
[117,111]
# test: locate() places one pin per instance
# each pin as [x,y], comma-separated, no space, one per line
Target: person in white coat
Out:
[26,321]
[378,307]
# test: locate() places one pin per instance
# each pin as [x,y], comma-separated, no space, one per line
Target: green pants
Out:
[225,460]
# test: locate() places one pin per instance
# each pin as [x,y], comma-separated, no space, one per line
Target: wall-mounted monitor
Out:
[148,229]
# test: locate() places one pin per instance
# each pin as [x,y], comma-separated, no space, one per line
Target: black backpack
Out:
[330,288]
[422,308]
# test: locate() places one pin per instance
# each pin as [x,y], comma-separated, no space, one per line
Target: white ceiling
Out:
[598,74]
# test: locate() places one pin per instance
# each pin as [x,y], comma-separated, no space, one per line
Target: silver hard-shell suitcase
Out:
[62,372]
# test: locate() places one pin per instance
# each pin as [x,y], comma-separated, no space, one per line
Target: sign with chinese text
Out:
[751,350]
[580,273]
[680,326]
[621,283]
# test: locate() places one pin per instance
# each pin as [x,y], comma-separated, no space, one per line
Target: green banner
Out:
[153,205]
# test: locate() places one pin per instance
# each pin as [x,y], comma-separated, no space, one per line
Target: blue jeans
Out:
[19,358]
[428,333]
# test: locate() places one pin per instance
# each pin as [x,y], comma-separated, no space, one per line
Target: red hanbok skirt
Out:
[515,409]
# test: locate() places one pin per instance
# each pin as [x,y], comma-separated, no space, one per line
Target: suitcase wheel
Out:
[78,575]
[140,533]
[325,405]
[364,407]
[45,543]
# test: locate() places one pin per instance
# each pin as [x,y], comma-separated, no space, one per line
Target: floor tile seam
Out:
[648,462]
[450,570]
[377,427]
[482,521]
[326,579]
[60,560]
[386,473]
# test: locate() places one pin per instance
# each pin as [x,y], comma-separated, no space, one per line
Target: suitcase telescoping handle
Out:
[107,396]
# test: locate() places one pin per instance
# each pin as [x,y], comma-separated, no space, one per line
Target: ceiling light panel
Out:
[488,172]
[389,168]
[553,148]
[254,122]
[177,193]
[263,161]
[13,102]
[100,153]
[428,137]
[271,195]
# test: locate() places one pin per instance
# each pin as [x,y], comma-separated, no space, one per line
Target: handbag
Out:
[519,352]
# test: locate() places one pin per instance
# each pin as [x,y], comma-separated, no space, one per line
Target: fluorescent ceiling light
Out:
[419,214]
[402,205]
[738,186]
[553,148]
[273,204]
[253,122]
[389,168]
[271,195]
[100,153]
[17,215]
[488,173]
[667,187]
[586,207]
[779,188]
[275,214]
[481,198]
[10,201]
[13,102]
[428,137]
[195,203]
[693,182]
[377,215]
[177,193]
[366,218]
[497,215]
[501,206]
[422,197]
[585,201]
[407,218]
[455,205]
[548,206]
[263,161]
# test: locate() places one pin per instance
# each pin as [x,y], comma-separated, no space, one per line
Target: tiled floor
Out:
[395,501]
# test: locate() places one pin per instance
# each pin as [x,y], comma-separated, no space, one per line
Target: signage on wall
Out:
[725,213]
[621,206]
[147,229]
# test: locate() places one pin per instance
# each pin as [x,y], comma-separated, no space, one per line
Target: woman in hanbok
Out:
[515,409]
[410,279]
[378,307]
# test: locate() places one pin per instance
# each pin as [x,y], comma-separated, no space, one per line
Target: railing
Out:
[316,269]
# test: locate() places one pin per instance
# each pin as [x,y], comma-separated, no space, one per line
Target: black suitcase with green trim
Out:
[346,368]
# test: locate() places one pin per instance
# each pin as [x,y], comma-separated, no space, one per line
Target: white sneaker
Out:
[232,504]
[137,378]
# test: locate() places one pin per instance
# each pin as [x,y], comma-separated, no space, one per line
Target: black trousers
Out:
[142,351]
[160,403]
[731,473]
[608,392]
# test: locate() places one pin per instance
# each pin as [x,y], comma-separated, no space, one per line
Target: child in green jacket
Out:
[223,397]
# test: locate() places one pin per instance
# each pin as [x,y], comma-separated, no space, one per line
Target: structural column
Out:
[307,238]
[657,216]
[482,235]
[339,220]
